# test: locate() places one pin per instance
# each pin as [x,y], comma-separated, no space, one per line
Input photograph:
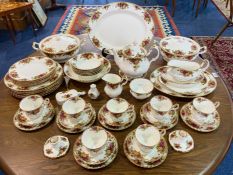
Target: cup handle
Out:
[124,80]
[162,132]
[175,106]
[203,50]
[46,101]
[35,46]
[205,64]
[216,104]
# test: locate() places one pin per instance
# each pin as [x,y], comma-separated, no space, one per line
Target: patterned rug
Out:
[220,56]
[75,20]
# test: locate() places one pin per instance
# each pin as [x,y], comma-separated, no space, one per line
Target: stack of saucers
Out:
[75,116]
[34,75]
[95,148]
[146,146]
[184,79]
[34,113]
[87,67]
[201,114]
[117,114]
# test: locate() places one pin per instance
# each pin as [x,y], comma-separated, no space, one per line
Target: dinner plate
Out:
[113,26]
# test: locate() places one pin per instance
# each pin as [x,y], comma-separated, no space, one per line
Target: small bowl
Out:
[141,88]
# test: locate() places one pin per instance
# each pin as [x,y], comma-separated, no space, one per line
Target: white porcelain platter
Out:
[155,77]
[180,46]
[32,69]
[113,26]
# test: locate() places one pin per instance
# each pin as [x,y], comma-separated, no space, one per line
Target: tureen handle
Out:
[205,64]
[203,50]
[35,46]
[154,47]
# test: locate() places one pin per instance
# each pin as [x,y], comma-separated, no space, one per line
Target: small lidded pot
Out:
[114,84]
[61,97]
[141,88]
[162,105]
[148,137]
[94,139]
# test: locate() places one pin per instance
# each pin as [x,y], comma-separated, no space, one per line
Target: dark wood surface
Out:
[21,152]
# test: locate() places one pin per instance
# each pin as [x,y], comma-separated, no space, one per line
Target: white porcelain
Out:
[132,60]
[181,48]
[147,137]
[56,146]
[181,141]
[59,47]
[141,88]
[94,138]
[186,71]
[74,106]
[61,97]
[162,104]
[113,25]
[117,105]
[93,92]
[31,103]
[114,84]
[205,106]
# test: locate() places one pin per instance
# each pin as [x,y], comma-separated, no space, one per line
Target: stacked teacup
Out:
[34,113]
[95,148]
[160,112]
[201,114]
[146,146]
[117,114]
[75,116]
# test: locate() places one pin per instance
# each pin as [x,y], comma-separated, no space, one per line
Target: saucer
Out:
[96,160]
[78,128]
[181,141]
[21,122]
[58,149]
[187,113]
[162,122]
[146,160]
[123,121]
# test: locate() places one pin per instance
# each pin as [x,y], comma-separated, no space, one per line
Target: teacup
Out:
[187,71]
[74,106]
[31,104]
[147,137]
[162,105]
[204,106]
[117,106]
[141,88]
[94,139]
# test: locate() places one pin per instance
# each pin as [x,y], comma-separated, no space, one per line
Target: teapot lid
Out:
[134,51]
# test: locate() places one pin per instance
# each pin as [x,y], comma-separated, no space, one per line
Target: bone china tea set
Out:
[34,77]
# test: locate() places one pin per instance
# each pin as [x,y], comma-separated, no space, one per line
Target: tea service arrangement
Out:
[32,78]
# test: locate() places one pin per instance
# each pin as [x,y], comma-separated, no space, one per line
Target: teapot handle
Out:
[154,47]
[205,64]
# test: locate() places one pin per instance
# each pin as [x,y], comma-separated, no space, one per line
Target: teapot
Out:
[132,59]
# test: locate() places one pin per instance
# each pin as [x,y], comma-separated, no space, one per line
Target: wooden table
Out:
[21,152]
[7,8]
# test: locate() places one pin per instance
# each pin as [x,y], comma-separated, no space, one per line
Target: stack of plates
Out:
[87,67]
[33,75]
[203,85]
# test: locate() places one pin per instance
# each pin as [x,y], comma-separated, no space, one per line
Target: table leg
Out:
[12,25]
[5,18]
[198,7]
[173,7]
[31,20]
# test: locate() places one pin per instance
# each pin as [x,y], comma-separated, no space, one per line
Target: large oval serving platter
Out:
[119,24]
